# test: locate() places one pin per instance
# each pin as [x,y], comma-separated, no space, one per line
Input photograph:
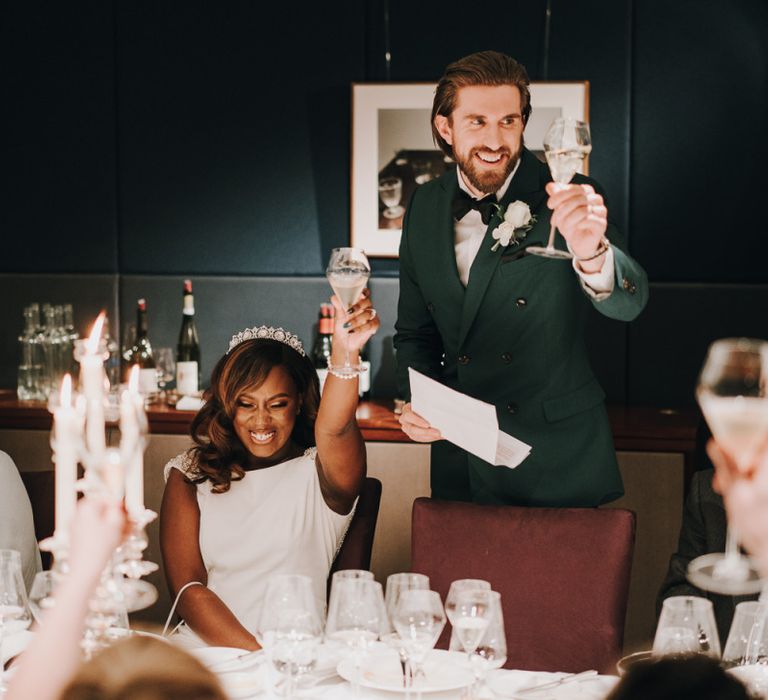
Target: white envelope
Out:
[469,423]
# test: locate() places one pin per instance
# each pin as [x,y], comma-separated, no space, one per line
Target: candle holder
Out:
[79,436]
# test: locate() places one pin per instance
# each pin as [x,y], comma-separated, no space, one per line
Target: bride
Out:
[271,483]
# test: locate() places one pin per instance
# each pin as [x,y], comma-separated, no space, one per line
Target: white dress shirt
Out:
[469,233]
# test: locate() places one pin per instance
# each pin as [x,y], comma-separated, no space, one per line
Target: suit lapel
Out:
[445,253]
[526,185]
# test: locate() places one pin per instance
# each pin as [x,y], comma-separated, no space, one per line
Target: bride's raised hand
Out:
[358,323]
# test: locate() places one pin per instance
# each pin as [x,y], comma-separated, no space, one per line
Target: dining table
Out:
[251,675]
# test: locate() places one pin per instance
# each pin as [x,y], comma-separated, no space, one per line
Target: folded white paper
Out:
[469,423]
[189,403]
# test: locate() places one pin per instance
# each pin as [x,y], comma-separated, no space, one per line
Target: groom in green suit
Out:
[481,315]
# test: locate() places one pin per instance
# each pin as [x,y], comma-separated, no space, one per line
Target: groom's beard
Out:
[488,181]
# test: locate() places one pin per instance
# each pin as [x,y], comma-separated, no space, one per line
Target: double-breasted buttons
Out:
[506,357]
[521,302]
[463,359]
[430,307]
[629,285]
[512,407]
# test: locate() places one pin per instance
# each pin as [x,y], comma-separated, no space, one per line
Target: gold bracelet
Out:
[601,248]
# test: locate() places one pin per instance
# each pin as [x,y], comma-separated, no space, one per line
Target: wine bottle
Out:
[140,353]
[188,348]
[321,350]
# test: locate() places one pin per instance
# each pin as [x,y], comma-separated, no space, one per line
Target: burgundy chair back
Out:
[355,551]
[563,575]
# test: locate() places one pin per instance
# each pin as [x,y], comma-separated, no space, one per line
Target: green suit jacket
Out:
[513,338]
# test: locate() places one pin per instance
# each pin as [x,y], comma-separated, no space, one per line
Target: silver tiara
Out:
[270,333]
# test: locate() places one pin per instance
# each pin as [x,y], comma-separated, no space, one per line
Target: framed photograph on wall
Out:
[393,152]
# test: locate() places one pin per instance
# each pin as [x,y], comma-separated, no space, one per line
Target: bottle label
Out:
[364,379]
[322,374]
[186,378]
[148,381]
[325,326]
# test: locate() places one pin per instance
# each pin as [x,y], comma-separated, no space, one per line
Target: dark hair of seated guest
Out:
[220,453]
[693,677]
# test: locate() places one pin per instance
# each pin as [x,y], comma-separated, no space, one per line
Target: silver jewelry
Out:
[270,333]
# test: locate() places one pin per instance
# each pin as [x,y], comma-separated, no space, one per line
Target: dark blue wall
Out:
[159,138]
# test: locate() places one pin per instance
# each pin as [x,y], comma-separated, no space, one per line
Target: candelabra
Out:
[79,437]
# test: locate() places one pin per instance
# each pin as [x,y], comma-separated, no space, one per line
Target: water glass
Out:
[289,627]
[14,608]
[686,626]
[746,650]
[356,616]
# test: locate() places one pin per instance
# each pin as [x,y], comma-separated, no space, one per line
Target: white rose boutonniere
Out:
[518,220]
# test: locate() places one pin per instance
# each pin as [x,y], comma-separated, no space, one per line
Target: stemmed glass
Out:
[356,615]
[419,620]
[396,585]
[165,365]
[686,626]
[391,192]
[471,618]
[732,395]
[41,594]
[457,587]
[289,628]
[566,144]
[491,651]
[347,272]
[746,651]
[14,608]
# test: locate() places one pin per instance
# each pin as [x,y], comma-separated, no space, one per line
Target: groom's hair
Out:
[483,68]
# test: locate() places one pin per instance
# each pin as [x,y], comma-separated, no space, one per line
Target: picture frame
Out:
[393,151]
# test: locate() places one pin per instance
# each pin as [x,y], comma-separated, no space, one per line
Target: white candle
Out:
[132,420]
[92,382]
[65,427]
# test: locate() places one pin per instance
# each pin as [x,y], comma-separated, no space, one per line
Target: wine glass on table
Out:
[355,618]
[471,618]
[15,615]
[566,144]
[396,585]
[732,395]
[289,628]
[347,272]
[165,365]
[491,650]
[419,620]
[686,626]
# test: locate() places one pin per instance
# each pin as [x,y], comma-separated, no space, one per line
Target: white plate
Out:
[444,670]
[507,682]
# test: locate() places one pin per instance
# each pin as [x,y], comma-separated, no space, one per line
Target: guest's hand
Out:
[357,324]
[97,528]
[745,493]
[581,217]
[416,428]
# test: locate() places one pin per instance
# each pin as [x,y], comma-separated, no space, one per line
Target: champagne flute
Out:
[419,620]
[566,144]
[347,272]
[732,395]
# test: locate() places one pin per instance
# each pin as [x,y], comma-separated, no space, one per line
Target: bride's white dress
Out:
[273,521]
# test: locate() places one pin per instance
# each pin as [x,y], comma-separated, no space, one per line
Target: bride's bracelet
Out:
[338,374]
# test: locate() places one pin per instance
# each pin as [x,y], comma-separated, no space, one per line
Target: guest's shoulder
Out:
[186,463]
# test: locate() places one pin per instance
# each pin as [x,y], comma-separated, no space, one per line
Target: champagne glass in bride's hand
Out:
[347,272]
[566,144]
[732,395]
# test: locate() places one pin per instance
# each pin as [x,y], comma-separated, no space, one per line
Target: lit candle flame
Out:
[133,380]
[92,346]
[65,397]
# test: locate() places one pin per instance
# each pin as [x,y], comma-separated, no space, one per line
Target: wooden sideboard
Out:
[655,450]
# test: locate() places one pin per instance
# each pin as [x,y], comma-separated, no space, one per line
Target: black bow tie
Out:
[462,203]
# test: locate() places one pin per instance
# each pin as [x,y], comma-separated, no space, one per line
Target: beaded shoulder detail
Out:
[185,463]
